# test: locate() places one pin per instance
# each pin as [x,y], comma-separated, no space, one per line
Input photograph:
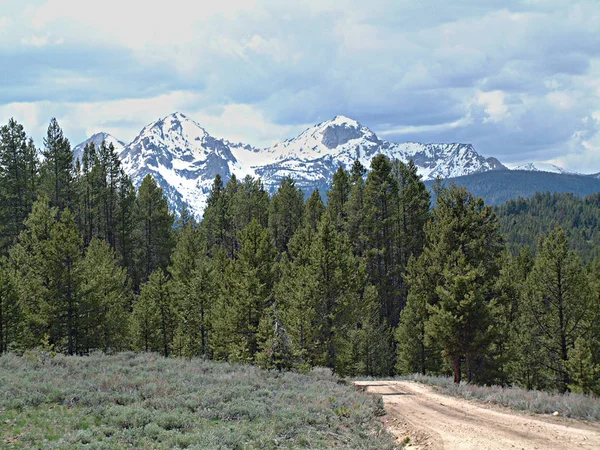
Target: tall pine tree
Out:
[285,213]
[57,169]
[558,298]
[153,233]
[18,181]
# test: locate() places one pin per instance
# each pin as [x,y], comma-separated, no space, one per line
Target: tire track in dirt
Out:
[434,421]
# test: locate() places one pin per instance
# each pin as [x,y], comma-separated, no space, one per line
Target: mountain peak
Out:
[178,116]
[97,139]
[176,127]
[184,158]
[99,135]
[343,121]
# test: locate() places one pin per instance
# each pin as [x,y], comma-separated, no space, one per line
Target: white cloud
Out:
[246,124]
[41,41]
[31,115]
[516,80]
[583,151]
[494,106]
[427,128]
[125,118]
[562,100]
[137,24]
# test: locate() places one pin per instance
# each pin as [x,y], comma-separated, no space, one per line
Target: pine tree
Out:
[415,353]
[338,196]
[64,253]
[452,284]
[413,214]
[57,170]
[218,223]
[29,265]
[194,291]
[145,324]
[558,298]
[355,212]
[380,227]
[125,237]
[185,219]
[460,320]
[516,349]
[275,345]
[229,233]
[86,183]
[285,213]
[104,296]
[18,180]
[155,315]
[246,294]
[314,209]
[371,351]
[105,177]
[335,271]
[583,367]
[10,311]
[196,307]
[45,261]
[185,257]
[250,202]
[153,233]
[319,293]
[296,294]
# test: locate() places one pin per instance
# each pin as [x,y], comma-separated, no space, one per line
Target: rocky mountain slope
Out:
[184,158]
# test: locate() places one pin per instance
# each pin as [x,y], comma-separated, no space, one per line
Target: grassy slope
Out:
[577,406]
[145,401]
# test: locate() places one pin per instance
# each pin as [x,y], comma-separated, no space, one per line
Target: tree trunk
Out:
[70,314]
[457,370]
[1,330]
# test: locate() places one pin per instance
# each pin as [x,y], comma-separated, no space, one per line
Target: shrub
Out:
[146,401]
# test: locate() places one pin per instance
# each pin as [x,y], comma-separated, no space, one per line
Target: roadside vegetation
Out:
[143,400]
[570,404]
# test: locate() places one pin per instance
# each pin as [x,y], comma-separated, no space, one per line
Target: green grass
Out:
[145,401]
[577,406]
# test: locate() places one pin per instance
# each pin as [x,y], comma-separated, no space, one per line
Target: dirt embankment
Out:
[429,420]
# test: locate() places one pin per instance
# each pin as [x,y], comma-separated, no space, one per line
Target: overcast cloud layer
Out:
[518,79]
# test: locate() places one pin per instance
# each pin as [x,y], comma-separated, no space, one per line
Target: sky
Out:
[520,80]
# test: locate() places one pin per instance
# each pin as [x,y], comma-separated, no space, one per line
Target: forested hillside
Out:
[523,221]
[373,282]
[499,186]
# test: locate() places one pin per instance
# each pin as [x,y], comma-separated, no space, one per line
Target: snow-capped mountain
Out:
[184,158]
[313,156]
[543,167]
[97,140]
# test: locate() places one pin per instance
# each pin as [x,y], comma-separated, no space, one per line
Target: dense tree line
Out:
[373,281]
[523,221]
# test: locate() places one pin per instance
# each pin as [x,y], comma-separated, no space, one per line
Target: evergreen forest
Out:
[371,280]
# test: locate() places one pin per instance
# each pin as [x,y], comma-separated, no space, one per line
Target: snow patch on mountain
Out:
[182,157]
[543,167]
[313,156]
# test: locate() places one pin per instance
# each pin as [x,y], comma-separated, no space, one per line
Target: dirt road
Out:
[435,421]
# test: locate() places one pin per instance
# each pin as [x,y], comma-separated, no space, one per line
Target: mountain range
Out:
[184,158]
